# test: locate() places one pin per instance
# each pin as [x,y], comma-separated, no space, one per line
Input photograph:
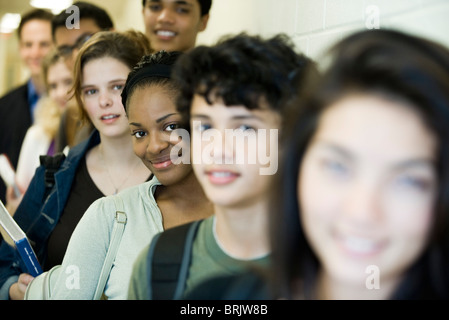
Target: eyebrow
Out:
[416,162]
[87,86]
[201,116]
[109,82]
[337,149]
[179,2]
[239,117]
[136,124]
[72,45]
[419,162]
[165,117]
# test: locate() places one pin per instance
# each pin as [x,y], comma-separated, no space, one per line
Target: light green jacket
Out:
[89,243]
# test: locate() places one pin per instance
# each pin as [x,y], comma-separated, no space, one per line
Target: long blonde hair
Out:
[48,113]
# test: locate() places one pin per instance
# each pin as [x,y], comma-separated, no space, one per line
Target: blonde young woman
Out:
[102,165]
[40,138]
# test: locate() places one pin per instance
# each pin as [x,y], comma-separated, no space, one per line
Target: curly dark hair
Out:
[159,58]
[241,70]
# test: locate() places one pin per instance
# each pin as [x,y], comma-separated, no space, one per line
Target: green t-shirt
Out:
[208,260]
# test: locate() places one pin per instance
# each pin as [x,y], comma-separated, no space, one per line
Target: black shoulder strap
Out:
[169,261]
[51,164]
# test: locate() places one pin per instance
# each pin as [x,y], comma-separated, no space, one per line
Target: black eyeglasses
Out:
[67,50]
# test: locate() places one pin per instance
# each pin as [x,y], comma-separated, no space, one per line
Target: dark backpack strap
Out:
[52,165]
[169,261]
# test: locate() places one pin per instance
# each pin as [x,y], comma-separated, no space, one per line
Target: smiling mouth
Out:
[360,246]
[221,177]
[110,117]
[161,163]
[165,34]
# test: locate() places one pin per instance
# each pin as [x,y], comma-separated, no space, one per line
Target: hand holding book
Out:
[21,241]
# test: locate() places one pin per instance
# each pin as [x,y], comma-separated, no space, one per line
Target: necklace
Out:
[116,189]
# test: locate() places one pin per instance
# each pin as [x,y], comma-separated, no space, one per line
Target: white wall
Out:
[231,17]
[11,68]
[314,25]
[129,16]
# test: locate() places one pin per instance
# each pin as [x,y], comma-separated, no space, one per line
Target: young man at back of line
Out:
[16,107]
[92,19]
[173,25]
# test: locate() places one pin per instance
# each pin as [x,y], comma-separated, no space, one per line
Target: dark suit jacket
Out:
[15,119]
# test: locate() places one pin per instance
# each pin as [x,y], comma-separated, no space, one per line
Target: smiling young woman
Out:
[364,176]
[102,165]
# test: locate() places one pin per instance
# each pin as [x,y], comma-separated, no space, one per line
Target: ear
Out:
[203,22]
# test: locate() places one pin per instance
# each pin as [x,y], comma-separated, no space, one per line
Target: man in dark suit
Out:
[16,107]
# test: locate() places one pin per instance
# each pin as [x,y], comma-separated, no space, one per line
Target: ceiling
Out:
[113,7]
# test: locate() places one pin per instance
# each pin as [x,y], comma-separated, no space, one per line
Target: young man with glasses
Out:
[92,19]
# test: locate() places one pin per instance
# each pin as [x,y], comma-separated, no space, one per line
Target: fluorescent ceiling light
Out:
[56,6]
[9,22]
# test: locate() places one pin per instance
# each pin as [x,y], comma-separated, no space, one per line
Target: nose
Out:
[363,204]
[39,50]
[222,146]
[35,51]
[105,100]
[157,143]
[166,16]
[62,93]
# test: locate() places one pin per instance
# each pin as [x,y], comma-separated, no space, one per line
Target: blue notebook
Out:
[21,241]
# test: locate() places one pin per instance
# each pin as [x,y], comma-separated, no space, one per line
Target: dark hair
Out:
[204,5]
[127,47]
[36,14]
[87,11]
[394,65]
[241,70]
[154,69]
